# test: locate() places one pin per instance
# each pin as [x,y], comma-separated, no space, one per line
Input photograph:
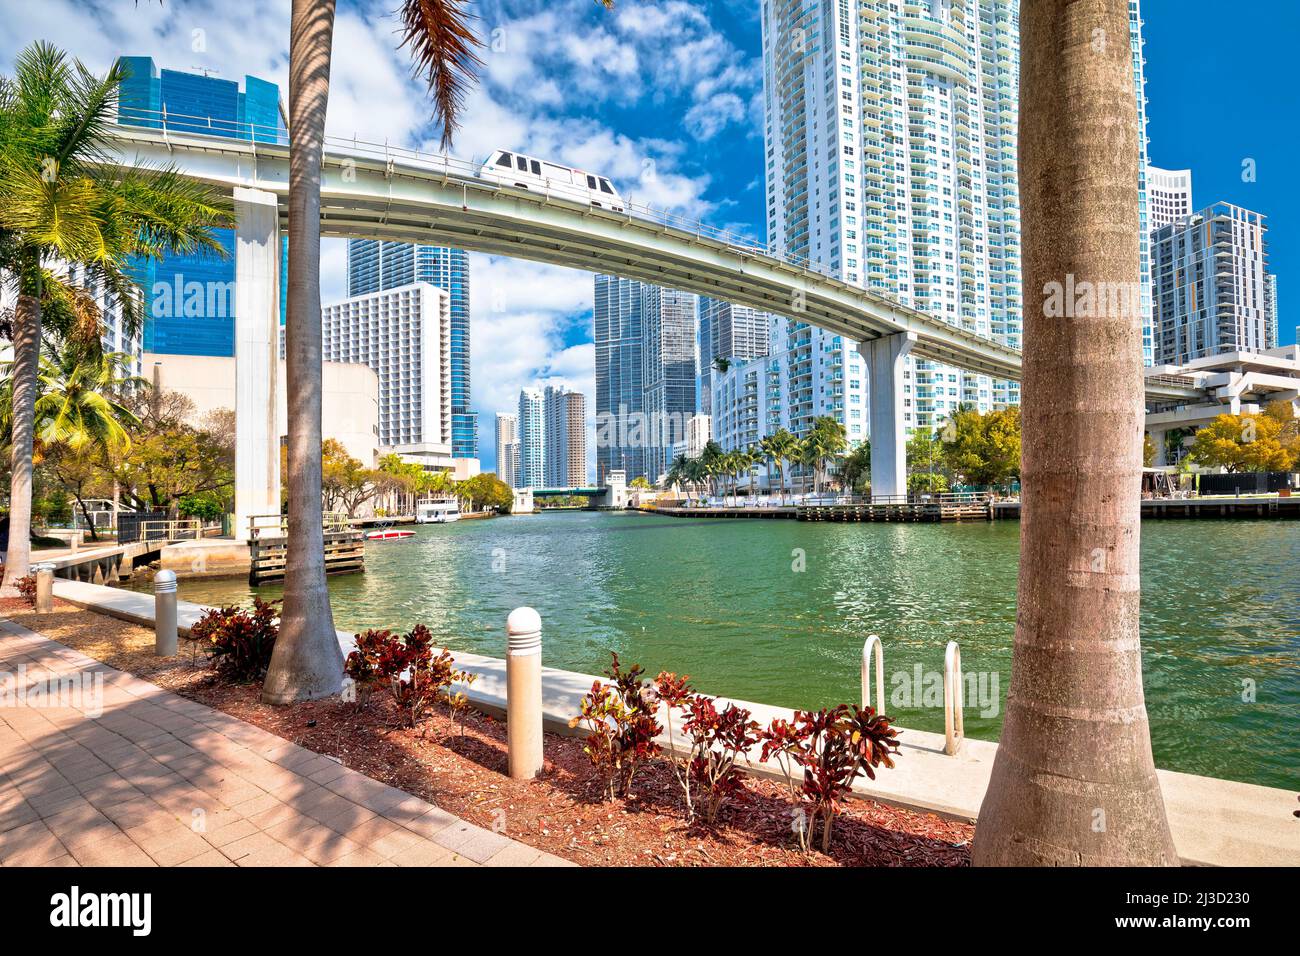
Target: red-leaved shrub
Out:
[832,747]
[622,724]
[239,641]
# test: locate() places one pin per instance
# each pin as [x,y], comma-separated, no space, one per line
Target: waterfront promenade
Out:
[159,780]
[1214,822]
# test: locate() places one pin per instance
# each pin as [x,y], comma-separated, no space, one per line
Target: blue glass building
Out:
[191,298]
[374,266]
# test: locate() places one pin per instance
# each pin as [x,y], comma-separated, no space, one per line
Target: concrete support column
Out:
[524,693]
[885,360]
[1158,439]
[257,353]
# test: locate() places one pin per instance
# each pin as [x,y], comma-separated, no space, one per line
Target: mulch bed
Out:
[562,812]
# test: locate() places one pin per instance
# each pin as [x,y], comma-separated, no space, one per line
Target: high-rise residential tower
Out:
[506,435]
[565,437]
[1136,42]
[728,335]
[404,334]
[891,160]
[1270,311]
[531,439]
[190,298]
[1210,283]
[1169,196]
[374,265]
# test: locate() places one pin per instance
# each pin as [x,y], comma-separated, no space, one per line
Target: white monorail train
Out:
[514,169]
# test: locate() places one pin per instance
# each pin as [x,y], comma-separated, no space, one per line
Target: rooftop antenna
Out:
[205,70]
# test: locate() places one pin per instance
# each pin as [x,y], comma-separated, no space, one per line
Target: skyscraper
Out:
[1169,196]
[619,393]
[531,439]
[507,432]
[891,160]
[668,372]
[1210,282]
[732,333]
[1270,311]
[374,265]
[1145,226]
[190,299]
[404,334]
[564,437]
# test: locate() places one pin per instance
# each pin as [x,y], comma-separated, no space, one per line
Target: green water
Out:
[722,601]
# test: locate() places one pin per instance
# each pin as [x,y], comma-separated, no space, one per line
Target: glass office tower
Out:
[191,298]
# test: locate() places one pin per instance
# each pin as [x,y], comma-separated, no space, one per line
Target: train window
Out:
[591,182]
[504,160]
[537,167]
[521,163]
[604,187]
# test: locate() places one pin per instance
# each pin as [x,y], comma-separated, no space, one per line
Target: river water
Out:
[777,611]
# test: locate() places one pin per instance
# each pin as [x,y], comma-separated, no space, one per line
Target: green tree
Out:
[855,469]
[982,449]
[59,203]
[779,447]
[1242,443]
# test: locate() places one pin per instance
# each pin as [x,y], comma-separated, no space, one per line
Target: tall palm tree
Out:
[307,662]
[61,206]
[1074,782]
[781,446]
[80,404]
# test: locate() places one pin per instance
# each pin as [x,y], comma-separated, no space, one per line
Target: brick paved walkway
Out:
[158,780]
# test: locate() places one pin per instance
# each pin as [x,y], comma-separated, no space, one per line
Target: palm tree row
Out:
[820,450]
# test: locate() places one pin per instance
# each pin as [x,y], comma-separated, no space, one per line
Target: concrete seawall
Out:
[1214,822]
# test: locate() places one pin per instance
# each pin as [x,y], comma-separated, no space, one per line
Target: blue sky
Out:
[664,97]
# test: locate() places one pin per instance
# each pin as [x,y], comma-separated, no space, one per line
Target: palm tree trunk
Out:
[1074,782]
[307,662]
[27,352]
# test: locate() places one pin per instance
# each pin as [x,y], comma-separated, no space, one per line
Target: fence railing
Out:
[170,529]
[277,526]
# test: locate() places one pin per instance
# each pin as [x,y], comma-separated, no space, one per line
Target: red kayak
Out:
[388,534]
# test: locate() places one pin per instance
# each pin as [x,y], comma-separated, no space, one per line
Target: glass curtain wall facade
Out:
[620,395]
[190,299]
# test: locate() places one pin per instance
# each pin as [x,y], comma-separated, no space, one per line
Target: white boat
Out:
[437,511]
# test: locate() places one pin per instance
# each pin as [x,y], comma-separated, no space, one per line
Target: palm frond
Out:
[442,47]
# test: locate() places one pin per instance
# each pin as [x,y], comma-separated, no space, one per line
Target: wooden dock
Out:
[268,547]
[1209,507]
[899,511]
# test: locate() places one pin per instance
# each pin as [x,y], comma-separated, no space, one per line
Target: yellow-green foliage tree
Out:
[1242,443]
[982,449]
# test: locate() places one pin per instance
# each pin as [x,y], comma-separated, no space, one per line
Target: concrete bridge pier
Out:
[257,354]
[885,357]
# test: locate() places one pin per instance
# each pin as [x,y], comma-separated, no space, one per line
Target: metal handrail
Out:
[259,525]
[172,529]
[873,646]
[954,700]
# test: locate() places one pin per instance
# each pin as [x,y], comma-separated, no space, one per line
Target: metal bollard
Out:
[873,645]
[164,613]
[44,588]
[954,700]
[524,693]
